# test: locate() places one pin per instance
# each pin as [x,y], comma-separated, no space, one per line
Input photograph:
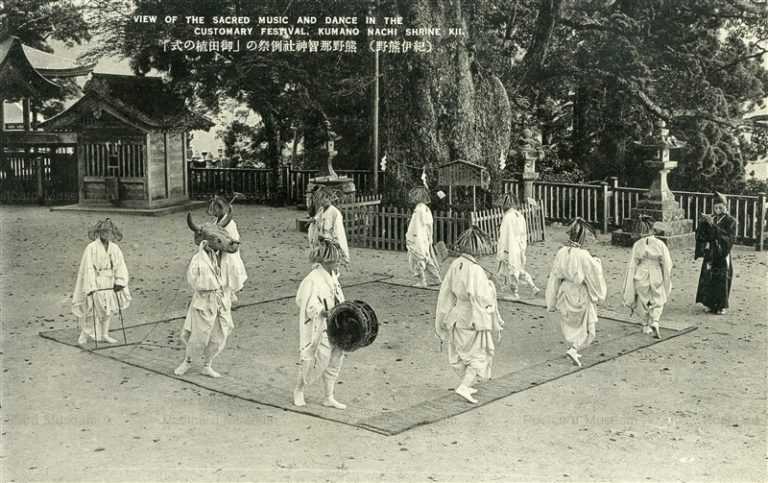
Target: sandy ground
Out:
[689,409]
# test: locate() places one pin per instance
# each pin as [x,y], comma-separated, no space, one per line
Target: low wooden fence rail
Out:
[38,174]
[606,204]
[368,224]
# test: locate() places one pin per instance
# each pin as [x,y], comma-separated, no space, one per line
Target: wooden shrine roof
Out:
[144,103]
[29,72]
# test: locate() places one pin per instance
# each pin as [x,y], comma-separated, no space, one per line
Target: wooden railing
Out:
[43,174]
[370,225]
[565,201]
[606,205]
[130,159]
[254,184]
[490,221]
[749,211]
[257,184]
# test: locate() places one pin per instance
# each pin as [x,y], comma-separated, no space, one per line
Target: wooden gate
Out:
[38,173]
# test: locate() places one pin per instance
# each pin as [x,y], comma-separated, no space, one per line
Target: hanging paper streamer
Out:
[424,177]
[502,161]
[383,164]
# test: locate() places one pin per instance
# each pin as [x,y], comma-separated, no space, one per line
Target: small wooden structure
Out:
[35,165]
[131,142]
[463,173]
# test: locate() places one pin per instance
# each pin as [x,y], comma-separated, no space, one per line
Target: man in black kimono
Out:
[714,237]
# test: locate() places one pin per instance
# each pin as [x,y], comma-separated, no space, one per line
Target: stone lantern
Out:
[531,149]
[659,202]
[343,185]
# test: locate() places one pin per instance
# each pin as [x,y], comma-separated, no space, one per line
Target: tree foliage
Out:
[36,22]
[593,75]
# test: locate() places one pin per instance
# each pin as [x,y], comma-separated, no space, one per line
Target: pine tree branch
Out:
[751,7]
[591,24]
[645,100]
[742,59]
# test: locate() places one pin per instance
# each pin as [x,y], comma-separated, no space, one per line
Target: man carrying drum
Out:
[318,293]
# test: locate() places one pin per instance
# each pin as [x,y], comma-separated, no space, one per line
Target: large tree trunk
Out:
[536,55]
[274,149]
[443,109]
[580,139]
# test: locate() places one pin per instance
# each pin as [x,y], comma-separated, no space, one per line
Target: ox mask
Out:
[214,233]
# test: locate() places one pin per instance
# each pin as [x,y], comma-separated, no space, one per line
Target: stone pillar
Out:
[527,180]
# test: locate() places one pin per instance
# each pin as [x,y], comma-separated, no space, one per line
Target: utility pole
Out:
[376,113]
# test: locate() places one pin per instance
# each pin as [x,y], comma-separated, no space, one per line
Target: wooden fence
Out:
[296,181]
[258,185]
[254,184]
[42,174]
[606,205]
[370,225]
[490,221]
[565,201]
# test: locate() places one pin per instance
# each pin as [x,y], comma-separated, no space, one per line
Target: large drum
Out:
[352,325]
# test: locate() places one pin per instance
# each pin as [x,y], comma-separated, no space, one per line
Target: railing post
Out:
[606,206]
[38,163]
[614,188]
[760,222]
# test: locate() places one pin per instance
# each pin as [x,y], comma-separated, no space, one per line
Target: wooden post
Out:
[167,167]
[25,114]
[474,198]
[614,186]
[606,207]
[760,222]
[376,121]
[148,170]
[185,163]
[38,159]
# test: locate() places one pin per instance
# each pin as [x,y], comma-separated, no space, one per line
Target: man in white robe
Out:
[233,271]
[467,315]
[328,223]
[649,277]
[318,293]
[101,288]
[209,318]
[575,286]
[511,247]
[418,239]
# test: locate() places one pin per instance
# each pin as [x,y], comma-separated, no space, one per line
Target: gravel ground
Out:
[689,409]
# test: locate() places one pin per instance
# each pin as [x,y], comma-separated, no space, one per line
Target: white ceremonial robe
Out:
[575,286]
[233,272]
[100,268]
[467,317]
[209,318]
[418,241]
[512,243]
[329,223]
[318,291]
[649,277]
